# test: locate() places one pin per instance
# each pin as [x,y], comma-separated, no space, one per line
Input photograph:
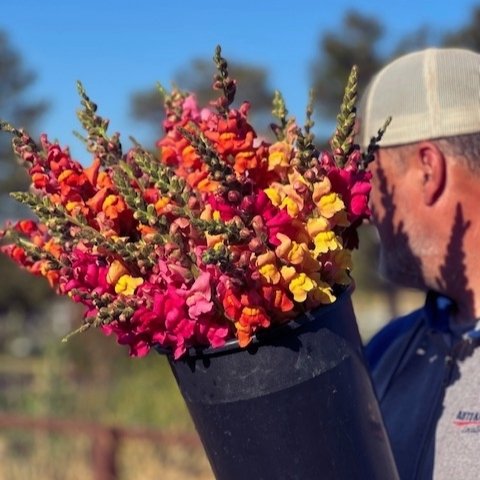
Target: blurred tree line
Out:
[21,294]
[359,40]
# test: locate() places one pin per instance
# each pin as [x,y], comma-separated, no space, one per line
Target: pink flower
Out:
[89,273]
[190,110]
[354,187]
[212,333]
[199,298]
[227,211]
[137,342]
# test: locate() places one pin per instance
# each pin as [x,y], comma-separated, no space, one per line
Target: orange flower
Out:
[92,171]
[277,298]
[190,158]
[95,203]
[200,180]
[250,319]
[113,206]
[115,271]
[104,180]
[160,204]
[40,180]
[245,161]
[231,305]
[65,175]
[169,155]
[53,277]
[54,248]
[146,229]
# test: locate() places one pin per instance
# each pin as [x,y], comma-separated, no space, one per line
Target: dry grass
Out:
[58,457]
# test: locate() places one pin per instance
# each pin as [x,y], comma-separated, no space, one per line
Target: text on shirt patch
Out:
[467,422]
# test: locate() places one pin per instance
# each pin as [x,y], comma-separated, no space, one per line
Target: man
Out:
[426,206]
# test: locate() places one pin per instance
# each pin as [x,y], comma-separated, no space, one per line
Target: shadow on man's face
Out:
[400,262]
[452,274]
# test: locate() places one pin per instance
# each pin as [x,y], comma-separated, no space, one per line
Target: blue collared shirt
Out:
[412,362]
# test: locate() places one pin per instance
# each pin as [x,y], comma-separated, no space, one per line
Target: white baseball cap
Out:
[429,94]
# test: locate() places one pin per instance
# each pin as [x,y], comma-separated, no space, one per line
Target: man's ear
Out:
[433,168]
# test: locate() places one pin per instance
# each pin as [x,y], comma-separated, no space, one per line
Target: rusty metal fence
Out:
[104,440]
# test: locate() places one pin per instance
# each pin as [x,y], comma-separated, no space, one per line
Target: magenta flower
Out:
[276,220]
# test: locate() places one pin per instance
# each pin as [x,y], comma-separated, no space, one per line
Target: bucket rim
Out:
[259,337]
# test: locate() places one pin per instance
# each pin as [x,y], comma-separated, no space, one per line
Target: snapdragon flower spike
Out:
[107,149]
[343,139]
[222,81]
[280,112]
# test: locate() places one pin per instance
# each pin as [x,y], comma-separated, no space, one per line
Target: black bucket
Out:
[297,404]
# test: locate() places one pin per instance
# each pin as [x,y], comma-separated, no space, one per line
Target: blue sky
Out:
[116,47]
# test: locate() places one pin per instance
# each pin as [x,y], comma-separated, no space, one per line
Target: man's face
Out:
[393,201]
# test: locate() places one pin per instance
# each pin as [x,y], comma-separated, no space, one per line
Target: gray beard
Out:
[400,266]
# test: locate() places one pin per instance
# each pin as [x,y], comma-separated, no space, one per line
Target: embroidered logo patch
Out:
[467,422]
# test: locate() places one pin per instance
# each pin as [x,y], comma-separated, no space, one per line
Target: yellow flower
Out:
[71,205]
[296,178]
[127,284]
[207,212]
[342,264]
[284,247]
[270,273]
[292,200]
[274,195]
[325,242]
[287,273]
[317,225]
[290,250]
[321,188]
[329,204]
[277,159]
[292,206]
[300,285]
[218,245]
[279,155]
[297,253]
[322,293]
[215,241]
[267,266]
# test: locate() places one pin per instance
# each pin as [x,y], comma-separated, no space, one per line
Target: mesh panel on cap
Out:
[429,94]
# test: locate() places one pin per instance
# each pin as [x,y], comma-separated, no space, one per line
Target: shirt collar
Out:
[439,309]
